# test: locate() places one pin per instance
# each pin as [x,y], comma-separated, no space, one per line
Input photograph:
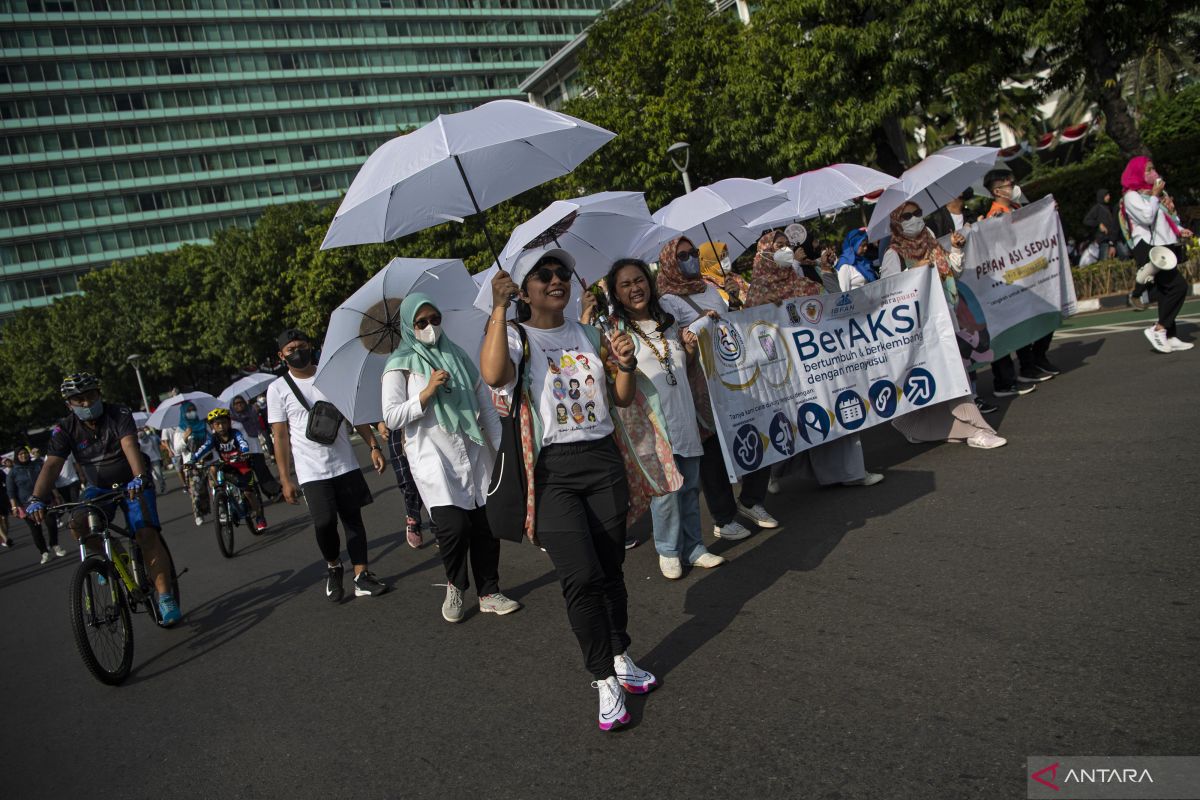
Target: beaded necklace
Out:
[664,358]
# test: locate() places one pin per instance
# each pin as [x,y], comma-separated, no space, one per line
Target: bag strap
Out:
[287,376]
[695,306]
[519,388]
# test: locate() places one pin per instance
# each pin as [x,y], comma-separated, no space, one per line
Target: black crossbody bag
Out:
[506,492]
[324,419]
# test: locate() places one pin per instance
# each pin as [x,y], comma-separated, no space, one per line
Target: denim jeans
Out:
[676,516]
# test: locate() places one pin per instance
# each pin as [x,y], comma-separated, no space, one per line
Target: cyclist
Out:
[194,432]
[232,449]
[103,439]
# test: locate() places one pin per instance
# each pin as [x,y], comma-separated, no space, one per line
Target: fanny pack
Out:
[324,419]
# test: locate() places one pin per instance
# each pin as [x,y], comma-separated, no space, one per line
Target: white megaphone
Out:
[1163,258]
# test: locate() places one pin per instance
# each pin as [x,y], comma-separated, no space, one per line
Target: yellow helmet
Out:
[218,413]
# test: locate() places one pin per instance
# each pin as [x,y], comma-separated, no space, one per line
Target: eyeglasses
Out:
[422,324]
[907,215]
[545,274]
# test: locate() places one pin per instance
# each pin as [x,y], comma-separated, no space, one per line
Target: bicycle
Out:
[230,508]
[107,589]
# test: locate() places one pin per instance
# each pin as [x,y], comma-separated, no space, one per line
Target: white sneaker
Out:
[633,678]
[612,704]
[670,567]
[1176,344]
[986,440]
[773,486]
[870,479]
[733,532]
[199,520]
[708,561]
[758,515]
[45,558]
[1158,339]
[58,551]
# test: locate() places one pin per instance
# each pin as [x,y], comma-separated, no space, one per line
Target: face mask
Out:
[429,334]
[1017,195]
[299,359]
[727,264]
[689,265]
[91,412]
[783,256]
[189,415]
[912,227]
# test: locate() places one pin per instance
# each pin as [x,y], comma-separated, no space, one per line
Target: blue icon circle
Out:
[850,409]
[919,386]
[747,447]
[782,437]
[883,396]
[813,423]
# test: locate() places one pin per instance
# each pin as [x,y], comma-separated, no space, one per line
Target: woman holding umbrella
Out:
[581,493]
[433,393]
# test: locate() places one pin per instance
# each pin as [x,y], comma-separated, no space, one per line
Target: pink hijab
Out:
[1133,179]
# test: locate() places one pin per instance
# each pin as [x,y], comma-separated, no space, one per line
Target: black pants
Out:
[1170,286]
[1004,372]
[718,491]
[404,478]
[582,497]
[35,529]
[262,473]
[464,534]
[339,498]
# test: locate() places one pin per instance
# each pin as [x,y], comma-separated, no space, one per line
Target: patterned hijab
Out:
[670,279]
[771,283]
[915,249]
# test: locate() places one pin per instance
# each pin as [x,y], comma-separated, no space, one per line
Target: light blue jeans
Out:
[676,516]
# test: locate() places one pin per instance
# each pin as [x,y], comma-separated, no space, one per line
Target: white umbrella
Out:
[721,211]
[931,183]
[820,191]
[365,329]
[250,386]
[140,418]
[167,413]
[483,298]
[597,230]
[458,165]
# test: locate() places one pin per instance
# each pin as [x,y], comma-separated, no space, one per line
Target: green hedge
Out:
[1114,276]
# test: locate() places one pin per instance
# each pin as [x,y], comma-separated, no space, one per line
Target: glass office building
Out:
[132,126]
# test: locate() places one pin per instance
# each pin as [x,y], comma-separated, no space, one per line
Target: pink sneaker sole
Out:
[608,726]
[636,688]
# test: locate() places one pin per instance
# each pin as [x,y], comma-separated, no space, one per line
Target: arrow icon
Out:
[918,389]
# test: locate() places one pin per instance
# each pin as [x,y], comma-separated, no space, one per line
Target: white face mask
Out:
[912,227]
[727,263]
[429,334]
[783,256]
[1017,195]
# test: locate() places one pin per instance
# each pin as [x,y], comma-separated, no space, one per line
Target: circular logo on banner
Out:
[729,343]
[851,410]
[813,423]
[748,447]
[783,437]
[883,396]
[919,386]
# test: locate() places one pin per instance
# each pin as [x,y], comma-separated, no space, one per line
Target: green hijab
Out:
[457,410]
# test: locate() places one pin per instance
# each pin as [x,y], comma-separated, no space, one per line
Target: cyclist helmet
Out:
[78,383]
[218,413]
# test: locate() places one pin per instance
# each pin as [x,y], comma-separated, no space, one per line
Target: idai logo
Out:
[810,311]
[729,343]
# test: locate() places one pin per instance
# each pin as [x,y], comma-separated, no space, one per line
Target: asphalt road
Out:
[915,639]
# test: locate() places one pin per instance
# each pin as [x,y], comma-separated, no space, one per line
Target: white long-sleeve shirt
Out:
[449,468]
[1148,219]
[893,265]
[850,278]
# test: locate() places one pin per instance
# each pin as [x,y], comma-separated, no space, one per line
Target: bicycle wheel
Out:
[101,621]
[224,529]
[174,582]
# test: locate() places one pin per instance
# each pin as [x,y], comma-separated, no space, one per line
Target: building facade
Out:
[133,126]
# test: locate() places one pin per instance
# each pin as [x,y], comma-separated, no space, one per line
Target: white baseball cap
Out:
[530,259]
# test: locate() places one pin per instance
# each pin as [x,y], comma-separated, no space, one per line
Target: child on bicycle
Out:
[233,451]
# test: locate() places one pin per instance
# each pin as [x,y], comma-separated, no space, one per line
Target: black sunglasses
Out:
[545,274]
[907,215]
[422,324]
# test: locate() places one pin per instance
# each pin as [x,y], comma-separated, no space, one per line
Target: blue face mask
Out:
[90,412]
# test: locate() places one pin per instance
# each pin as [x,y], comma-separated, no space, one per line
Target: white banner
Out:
[1016,284]
[786,378]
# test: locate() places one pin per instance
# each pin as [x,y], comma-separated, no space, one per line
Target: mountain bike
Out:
[230,507]
[107,589]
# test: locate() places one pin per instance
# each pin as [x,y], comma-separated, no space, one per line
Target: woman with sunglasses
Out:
[913,245]
[579,485]
[433,393]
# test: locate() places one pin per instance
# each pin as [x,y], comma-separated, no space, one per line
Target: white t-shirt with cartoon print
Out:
[566,381]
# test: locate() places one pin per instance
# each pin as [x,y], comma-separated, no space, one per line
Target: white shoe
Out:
[986,440]
[199,520]
[633,678]
[1158,339]
[58,551]
[870,479]
[670,567]
[733,532]
[773,486]
[1175,344]
[708,561]
[758,515]
[612,704]
[45,558]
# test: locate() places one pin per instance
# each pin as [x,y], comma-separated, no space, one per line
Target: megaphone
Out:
[1163,258]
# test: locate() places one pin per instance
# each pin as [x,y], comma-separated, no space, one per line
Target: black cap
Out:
[292,335]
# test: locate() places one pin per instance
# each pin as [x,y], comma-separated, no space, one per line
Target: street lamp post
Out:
[134,359]
[681,151]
